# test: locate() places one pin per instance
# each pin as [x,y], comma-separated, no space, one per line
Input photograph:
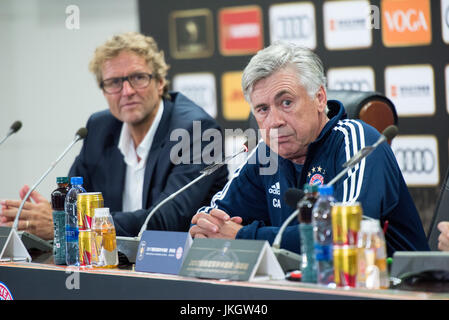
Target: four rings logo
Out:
[415,160]
[293,22]
[295,27]
[358,85]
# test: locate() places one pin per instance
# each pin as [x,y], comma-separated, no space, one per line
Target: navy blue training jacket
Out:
[376,182]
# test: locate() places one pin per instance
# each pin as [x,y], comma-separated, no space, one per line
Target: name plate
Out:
[162,251]
[242,260]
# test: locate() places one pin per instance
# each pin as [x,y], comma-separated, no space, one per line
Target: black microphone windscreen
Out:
[81,133]
[390,132]
[16,126]
[292,196]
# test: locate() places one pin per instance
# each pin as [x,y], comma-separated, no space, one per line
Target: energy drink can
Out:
[86,204]
[345,266]
[87,248]
[346,220]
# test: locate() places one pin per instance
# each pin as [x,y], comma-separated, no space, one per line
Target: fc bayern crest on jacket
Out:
[316,175]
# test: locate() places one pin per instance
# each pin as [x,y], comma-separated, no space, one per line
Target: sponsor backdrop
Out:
[397,47]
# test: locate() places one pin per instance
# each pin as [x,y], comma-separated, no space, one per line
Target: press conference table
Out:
[42,280]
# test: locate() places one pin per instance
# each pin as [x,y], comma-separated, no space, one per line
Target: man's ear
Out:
[321,98]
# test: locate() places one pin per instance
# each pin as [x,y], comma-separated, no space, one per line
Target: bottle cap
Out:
[310,188]
[101,212]
[370,225]
[326,190]
[62,179]
[76,180]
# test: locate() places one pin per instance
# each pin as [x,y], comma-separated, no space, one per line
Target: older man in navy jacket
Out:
[310,138]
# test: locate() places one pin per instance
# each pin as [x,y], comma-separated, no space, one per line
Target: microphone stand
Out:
[128,245]
[13,248]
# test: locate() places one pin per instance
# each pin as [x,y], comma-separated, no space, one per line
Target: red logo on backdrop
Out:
[5,294]
[240,30]
[394,91]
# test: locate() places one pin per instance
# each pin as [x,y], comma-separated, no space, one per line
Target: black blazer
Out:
[102,166]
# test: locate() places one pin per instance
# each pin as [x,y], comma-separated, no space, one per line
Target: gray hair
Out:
[281,55]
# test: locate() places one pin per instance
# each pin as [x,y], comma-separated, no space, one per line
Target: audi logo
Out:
[415,160]
[295,27]
[447,17]
[357,85]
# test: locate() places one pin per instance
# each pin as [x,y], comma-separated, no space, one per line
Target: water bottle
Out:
[57,204]
[322,235]
[71,221]
[105,239]
[372,257]
[305,206]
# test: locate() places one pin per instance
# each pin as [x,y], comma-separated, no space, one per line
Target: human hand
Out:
[443,239]
[36,217]
[215,224]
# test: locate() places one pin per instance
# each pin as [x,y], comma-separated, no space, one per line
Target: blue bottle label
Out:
[71,234]
[323,252]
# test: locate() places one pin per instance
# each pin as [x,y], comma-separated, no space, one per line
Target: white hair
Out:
[281,55]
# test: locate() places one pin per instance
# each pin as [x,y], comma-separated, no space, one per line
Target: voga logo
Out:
[410,20]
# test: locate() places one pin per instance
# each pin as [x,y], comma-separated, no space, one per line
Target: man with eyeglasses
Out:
[126,154]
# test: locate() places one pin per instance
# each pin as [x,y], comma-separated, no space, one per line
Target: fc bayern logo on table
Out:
[5,294]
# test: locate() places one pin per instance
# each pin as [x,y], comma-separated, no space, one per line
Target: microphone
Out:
[13,129]
[80,134]
[290,260]
[389,133]
[287,259]
[128,245]
[13,249]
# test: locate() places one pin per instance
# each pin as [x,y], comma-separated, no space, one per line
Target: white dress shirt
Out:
[135,170]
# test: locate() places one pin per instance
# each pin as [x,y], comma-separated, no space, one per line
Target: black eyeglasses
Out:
[136,80]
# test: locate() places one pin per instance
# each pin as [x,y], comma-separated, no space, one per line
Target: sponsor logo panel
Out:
[445,20]
[234,104]
[406,23]
[293,22]
[412,89]
[200,88]
[417,156]
[191,34]
[347,24]
[351,78]
[240,30]
[446,72]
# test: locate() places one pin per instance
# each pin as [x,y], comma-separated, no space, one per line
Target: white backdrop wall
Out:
[46,84]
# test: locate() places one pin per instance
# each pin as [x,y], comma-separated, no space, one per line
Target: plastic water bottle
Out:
[322,234]
[305,206]
[105,239]
[372,270]
[57,204]
[71,221]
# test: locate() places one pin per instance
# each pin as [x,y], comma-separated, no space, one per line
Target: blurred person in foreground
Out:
[443,239]
[126,154]
[310,138]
